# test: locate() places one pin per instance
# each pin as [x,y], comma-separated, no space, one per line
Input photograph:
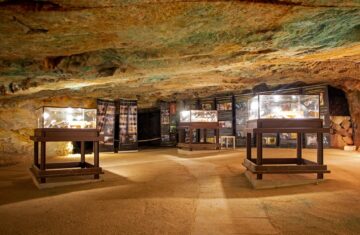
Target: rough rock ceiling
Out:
[174,49]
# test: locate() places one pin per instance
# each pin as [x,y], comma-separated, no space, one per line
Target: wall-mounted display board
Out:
[168,123]
[241,115]
[224,105]
[105,119]
[128,132]
[207,104]
[322,92]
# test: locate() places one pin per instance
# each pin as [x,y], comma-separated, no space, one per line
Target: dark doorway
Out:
[149,128]
[338,104]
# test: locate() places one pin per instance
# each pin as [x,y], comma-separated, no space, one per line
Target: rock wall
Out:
[341,131]
[354,105]
[18,120]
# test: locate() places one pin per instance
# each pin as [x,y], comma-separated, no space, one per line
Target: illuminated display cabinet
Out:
[191,116]
[283,106]
[56,124]
[203,121]
[73,118]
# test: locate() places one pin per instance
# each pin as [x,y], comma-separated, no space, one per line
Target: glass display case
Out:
[58,117]
[284,106]
[199,116]
[198,121]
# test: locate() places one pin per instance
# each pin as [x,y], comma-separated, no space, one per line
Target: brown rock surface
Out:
[354,105]
[166,50]
[348,140]
[156,50]
[17,121]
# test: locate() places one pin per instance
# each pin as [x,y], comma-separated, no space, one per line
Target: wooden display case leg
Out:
[82,152]
[190,138]
[248,146]
[217,132]
[299,148]
[205,136]
[43,160]
[96,157]
[254,139]
[320,153]
[259,152]
[36,153]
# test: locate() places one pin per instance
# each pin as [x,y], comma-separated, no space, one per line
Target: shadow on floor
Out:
[20,187]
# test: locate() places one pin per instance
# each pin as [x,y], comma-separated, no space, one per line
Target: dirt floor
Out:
[162,192]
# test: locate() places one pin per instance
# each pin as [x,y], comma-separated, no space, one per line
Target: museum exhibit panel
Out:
[106,124]
[168,123]
[202,120]
[117,122]
[127,128]
[224,106]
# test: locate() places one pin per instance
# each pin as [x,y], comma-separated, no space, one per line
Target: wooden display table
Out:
[45,170]
[296,165]
[194,145]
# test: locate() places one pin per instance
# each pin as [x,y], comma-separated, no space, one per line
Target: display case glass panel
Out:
[57,117]
[284,106]
[198,116]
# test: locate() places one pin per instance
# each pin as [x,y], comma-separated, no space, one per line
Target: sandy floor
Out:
[160,192]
